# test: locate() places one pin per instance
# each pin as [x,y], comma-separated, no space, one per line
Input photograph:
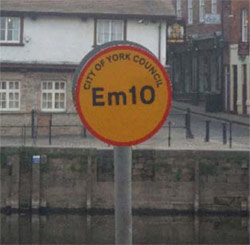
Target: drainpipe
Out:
[159,41]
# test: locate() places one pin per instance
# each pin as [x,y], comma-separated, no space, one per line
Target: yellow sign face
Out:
[123,95]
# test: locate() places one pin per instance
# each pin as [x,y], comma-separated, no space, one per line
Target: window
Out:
[109,30]
[53,96]
[201,10]
[10,30]
[9,96]
[214,6]
[244,25]
[178,8]
[190,11]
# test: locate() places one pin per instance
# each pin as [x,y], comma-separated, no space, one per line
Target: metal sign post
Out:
[123,194]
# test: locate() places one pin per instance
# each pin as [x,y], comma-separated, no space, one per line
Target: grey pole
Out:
[123,194]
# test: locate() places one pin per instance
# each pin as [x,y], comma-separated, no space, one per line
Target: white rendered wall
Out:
[57,40]
[234,60]
[147,34]
[52,40]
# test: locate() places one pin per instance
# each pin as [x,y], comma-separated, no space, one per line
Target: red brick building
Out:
[203,66]
[236,19]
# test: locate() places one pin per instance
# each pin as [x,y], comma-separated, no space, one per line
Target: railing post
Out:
[189,134]
[84,132]
[207,135]
[33,123]
[224,133]
[169,133]
[24,134]
[50,125]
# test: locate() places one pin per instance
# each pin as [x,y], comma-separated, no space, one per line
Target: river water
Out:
[100,229]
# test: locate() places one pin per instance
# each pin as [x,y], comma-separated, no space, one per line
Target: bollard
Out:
[169,133]
[224,133]
[189,134]
[207,135]
[230,135]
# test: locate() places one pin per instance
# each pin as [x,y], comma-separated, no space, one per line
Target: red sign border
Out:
[78,86]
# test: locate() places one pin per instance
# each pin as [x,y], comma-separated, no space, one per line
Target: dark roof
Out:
[160,8]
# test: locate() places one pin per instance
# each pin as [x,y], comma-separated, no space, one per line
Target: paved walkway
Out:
[240,119]
[159,141]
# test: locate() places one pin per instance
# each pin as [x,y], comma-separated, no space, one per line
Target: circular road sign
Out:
[122,93]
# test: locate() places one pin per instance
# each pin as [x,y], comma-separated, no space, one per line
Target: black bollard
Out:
[189,134]
[224,133]
[169,134]
[207,135]
[230,135]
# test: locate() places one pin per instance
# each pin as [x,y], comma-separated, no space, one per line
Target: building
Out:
[42,43]
[204,64]
[196,63]
[236,19]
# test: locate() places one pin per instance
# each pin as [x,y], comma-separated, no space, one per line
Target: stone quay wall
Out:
[70,178]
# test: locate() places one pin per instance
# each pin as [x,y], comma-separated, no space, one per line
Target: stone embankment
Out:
[33,178]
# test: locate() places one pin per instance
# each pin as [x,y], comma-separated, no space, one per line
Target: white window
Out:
[201,10]
[53,96]
[178,8]
[190,11]
[109,30]
[9,95]
[10,29]
[244,25]
[214,6]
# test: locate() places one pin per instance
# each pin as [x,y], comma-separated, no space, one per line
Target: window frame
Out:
[201,11]
[190,11]
[7,91]
[178,8]
[244,25]
[213,6]
[96,29]
[19,42]
[53,91]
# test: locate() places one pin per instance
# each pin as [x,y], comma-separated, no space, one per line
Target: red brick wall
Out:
[235,29]
[197,27]
[226,19]
[230,11]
